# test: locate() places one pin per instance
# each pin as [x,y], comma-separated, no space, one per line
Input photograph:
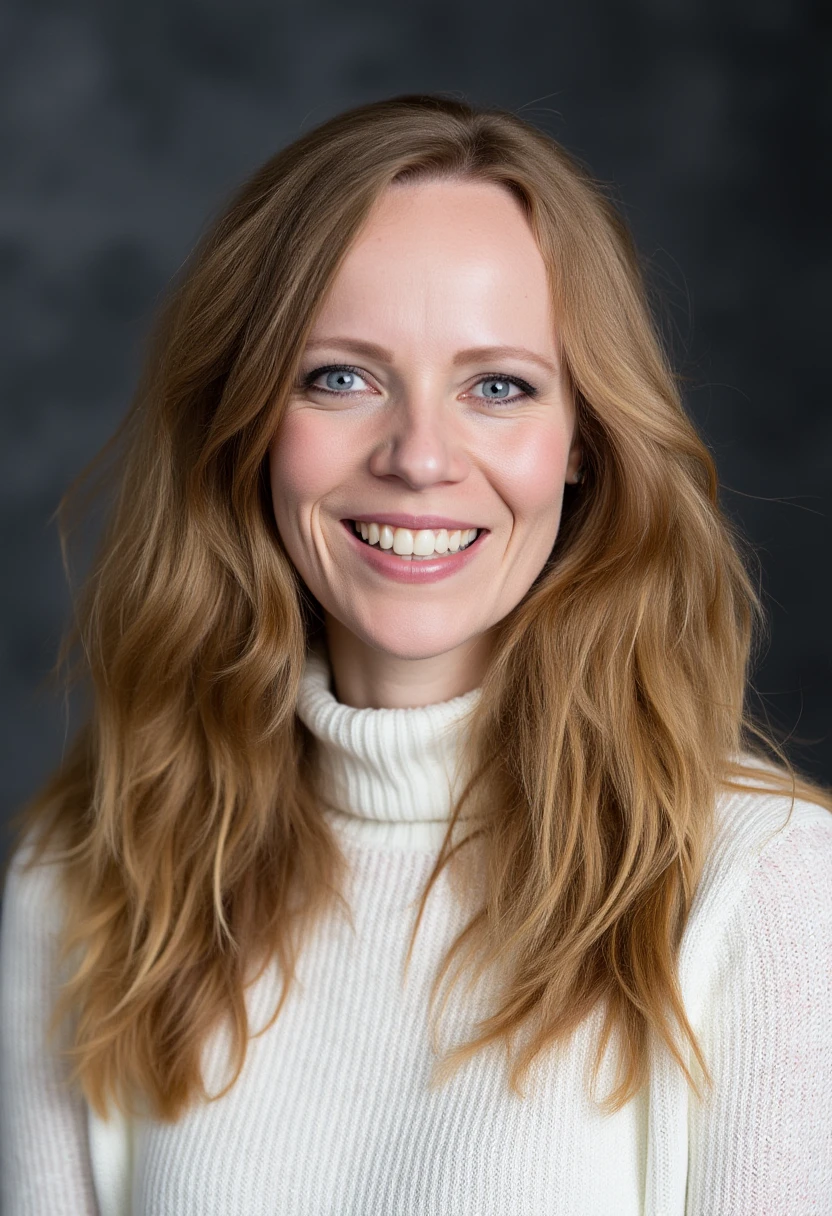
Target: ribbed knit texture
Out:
[333,1114]
[388,775]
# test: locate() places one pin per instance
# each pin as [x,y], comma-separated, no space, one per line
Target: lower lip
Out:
[428,570]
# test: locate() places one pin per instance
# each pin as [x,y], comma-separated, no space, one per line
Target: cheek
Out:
[306,461]
[529,468]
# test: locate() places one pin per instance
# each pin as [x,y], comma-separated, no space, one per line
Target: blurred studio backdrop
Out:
[125,127]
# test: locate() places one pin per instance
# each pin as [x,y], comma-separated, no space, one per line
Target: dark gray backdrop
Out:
[124,126]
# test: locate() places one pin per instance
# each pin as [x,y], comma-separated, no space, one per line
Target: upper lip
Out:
[413,522]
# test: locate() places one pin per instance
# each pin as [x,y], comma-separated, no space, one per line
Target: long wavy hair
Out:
[191,846]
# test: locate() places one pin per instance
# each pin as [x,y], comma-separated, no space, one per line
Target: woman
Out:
[418,647]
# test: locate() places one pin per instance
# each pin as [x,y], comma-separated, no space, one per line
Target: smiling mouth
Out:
[422,545]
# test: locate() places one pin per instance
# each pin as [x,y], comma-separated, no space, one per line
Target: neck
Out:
[365,677]
[387,776]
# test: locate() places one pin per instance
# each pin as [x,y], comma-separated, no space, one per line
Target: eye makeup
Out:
[307,382]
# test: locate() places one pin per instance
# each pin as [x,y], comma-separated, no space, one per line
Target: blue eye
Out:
[340,379]
[501,388]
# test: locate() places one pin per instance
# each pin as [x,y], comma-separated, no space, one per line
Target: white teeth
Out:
[424,542]
[402,542]
[423,545]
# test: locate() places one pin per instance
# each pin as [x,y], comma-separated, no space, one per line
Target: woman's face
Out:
[432,395]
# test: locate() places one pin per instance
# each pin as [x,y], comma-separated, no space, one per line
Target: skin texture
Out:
[439,267]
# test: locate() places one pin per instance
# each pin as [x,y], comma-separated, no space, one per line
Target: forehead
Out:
[455,258]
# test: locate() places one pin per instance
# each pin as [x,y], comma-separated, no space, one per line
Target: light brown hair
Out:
[191,846]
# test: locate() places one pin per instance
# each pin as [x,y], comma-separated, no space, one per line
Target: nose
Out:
[421,443]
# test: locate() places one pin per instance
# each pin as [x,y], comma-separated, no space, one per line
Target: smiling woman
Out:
[417,638]
[444,278]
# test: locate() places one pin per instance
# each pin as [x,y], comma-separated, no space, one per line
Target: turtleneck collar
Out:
[388,776]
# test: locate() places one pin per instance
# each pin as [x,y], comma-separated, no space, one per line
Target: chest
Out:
[335,1112]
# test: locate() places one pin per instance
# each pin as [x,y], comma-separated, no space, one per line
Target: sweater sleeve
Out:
[44,1151]
[761,1142]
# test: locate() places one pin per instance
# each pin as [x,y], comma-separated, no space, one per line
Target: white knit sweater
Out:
[332,1113]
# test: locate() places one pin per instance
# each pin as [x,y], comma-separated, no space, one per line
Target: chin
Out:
[413,649]
[422,640]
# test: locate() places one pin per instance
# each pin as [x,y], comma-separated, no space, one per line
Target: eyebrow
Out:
[472,353]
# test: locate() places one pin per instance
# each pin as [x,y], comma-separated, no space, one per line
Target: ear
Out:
[574,462]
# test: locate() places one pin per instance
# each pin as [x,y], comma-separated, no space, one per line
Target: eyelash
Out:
[528,390]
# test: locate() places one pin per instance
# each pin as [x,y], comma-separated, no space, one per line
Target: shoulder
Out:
[32,907]
[768,874]
[751,824]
